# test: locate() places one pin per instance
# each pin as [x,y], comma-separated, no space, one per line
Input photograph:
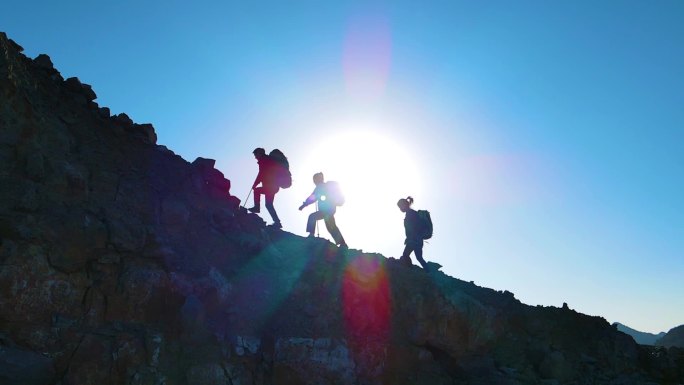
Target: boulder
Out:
[204,164]
[43,61]
[73,84]
[146,133]
[123,119]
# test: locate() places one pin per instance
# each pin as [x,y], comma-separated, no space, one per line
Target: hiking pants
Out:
[269,195]
[329,219]
[415,246]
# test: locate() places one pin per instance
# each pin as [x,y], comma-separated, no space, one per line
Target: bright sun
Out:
[373,171]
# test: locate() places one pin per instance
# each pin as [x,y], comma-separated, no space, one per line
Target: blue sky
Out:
[546,139]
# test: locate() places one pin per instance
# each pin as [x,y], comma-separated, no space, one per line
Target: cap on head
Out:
[259,151]
[318,178]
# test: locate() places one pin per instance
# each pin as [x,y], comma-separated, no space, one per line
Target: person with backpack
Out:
[329,197]
[418,227]
[273,174]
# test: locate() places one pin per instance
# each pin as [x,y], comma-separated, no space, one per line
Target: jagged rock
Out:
[73,84]
[147,132]
[204,163]
[123,119]
[165,150]
[104,112]
[16,47]
[43,61]
[213,182]
[87,91]
[84,93]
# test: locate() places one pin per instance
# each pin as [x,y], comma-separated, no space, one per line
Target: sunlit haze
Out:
[374,172]
[545,138]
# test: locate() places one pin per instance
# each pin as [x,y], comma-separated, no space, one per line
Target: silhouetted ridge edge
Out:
[122,263]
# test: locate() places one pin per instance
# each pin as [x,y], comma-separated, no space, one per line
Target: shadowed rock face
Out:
[121,263]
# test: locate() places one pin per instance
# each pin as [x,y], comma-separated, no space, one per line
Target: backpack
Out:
[283,176]
[425,230]
[333,193]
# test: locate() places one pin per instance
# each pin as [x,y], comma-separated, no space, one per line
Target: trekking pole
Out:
[246,199]
[318,234]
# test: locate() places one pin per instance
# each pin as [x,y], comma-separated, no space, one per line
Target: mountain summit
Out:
[122,263]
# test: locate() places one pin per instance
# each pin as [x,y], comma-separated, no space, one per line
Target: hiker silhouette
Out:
[268,177]
[414,227]
[328,196]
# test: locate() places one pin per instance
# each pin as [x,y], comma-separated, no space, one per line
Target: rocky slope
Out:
[675,337]
[121,263]
[642,338]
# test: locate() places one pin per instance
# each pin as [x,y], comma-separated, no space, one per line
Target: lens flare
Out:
[366,299]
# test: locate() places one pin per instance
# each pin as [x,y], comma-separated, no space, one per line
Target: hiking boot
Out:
[277,225]
[255,209]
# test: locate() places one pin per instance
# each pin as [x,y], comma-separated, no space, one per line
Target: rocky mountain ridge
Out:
[641,338]
[674,337]
[122,263]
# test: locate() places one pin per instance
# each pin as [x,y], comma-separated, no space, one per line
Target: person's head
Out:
[405,204]
[259,153]
[318,178]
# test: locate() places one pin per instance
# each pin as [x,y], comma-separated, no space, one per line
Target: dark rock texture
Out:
[121,263]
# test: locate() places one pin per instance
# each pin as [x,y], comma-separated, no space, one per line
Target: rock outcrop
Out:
[122,263]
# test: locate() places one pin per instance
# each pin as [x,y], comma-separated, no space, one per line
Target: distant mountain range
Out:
[641,338]
[675,337]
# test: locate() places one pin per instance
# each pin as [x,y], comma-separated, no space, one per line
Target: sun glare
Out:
[374,171]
